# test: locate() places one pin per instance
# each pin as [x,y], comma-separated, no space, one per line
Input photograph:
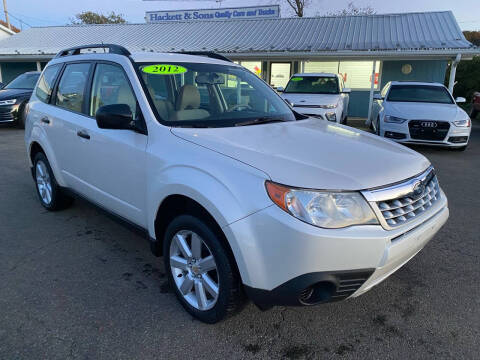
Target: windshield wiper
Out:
[260,120]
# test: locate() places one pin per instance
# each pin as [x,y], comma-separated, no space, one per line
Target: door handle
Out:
[83,134]
[45,120]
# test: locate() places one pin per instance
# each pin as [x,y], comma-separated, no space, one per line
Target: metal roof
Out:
[424,33]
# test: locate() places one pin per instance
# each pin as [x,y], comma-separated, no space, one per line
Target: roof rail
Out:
[112,49]
[209,54]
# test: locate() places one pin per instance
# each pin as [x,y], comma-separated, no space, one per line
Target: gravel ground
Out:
[76,284]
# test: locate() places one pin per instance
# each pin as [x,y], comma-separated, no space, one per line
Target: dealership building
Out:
[367,50]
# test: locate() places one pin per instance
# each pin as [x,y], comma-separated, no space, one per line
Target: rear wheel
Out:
[200,270]
[49,192]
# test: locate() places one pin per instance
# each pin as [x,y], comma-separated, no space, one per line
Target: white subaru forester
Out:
[242,195]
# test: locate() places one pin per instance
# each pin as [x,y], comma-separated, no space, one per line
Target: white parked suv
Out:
[318,95]
[243,196]
[420,113]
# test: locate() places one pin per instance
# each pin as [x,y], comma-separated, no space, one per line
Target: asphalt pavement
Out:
[78,285]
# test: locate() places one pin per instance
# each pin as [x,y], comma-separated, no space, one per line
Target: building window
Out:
[253,66]
[356,74]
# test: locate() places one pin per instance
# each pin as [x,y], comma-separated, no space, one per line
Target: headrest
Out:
[188,98]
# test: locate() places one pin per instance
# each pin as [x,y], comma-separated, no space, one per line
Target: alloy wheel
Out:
[44,183]
[194,270]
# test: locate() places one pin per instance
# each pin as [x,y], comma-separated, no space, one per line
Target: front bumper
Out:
[8,113]
[456,136]
[282,260]
[319,113]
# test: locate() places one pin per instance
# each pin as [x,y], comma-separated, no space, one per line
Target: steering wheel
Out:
[240,107]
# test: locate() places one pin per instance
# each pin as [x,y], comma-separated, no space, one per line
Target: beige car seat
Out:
[187,105]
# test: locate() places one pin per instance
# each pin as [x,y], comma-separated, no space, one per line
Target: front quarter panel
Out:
[228,189]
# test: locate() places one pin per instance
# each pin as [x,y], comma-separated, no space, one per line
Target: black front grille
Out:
[428,129]
[6,113]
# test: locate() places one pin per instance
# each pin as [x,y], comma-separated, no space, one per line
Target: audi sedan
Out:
[420,113]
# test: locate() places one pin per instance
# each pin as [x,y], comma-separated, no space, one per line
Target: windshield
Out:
[24,81]
[210,95]
[420,93]
[313,85]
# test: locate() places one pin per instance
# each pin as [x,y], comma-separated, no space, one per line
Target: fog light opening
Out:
[317,293]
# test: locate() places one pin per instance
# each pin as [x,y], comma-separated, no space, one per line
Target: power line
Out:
[20,20]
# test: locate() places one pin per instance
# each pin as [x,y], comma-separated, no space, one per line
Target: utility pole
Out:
[6,14]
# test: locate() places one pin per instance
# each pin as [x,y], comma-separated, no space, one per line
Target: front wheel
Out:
[473,114]
[200,270]
[377,127]
[22,115]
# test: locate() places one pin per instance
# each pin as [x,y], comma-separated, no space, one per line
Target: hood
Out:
[311,99]
[426,111]
[6,94]
[313,154]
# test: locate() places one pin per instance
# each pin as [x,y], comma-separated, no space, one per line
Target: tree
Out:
[298,6]
[351,9]
[473,37]
[468,71]
[90,17]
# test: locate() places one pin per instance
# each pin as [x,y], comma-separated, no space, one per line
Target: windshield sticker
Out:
[164,69]
[297,79]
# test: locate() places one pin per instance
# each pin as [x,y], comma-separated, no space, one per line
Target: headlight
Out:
[329,106]
[8,102]
[463,123]
[394,119]
[324,209]
[331,116]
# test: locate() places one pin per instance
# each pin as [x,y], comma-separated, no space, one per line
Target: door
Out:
[67,115]
[280,74]
[114,166]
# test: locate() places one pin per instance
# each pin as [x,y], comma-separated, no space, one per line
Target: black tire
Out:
[345,120]
[230,294]
[59,200]
[377,128]
[22,115]
[473,114]
[462,148]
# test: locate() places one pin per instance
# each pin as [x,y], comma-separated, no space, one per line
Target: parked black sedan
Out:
[14,98]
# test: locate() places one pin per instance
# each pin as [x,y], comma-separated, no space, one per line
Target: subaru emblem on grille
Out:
[428,124]
[418,189]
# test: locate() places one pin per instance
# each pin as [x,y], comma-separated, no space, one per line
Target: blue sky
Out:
[58,12]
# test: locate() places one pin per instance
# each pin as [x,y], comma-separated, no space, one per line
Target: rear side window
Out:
[111,86]
[71,89]
[45,84]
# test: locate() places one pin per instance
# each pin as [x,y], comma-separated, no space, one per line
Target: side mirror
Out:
[280,89]
[460,100]
[377,96]
[115,116]
[346,90]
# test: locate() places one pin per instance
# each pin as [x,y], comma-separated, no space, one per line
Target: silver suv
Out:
[242,195]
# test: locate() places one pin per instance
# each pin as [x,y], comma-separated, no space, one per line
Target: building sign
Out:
[252,12]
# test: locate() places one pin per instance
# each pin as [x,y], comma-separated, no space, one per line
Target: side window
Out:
[71,89]
[111,86]
[45,84]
